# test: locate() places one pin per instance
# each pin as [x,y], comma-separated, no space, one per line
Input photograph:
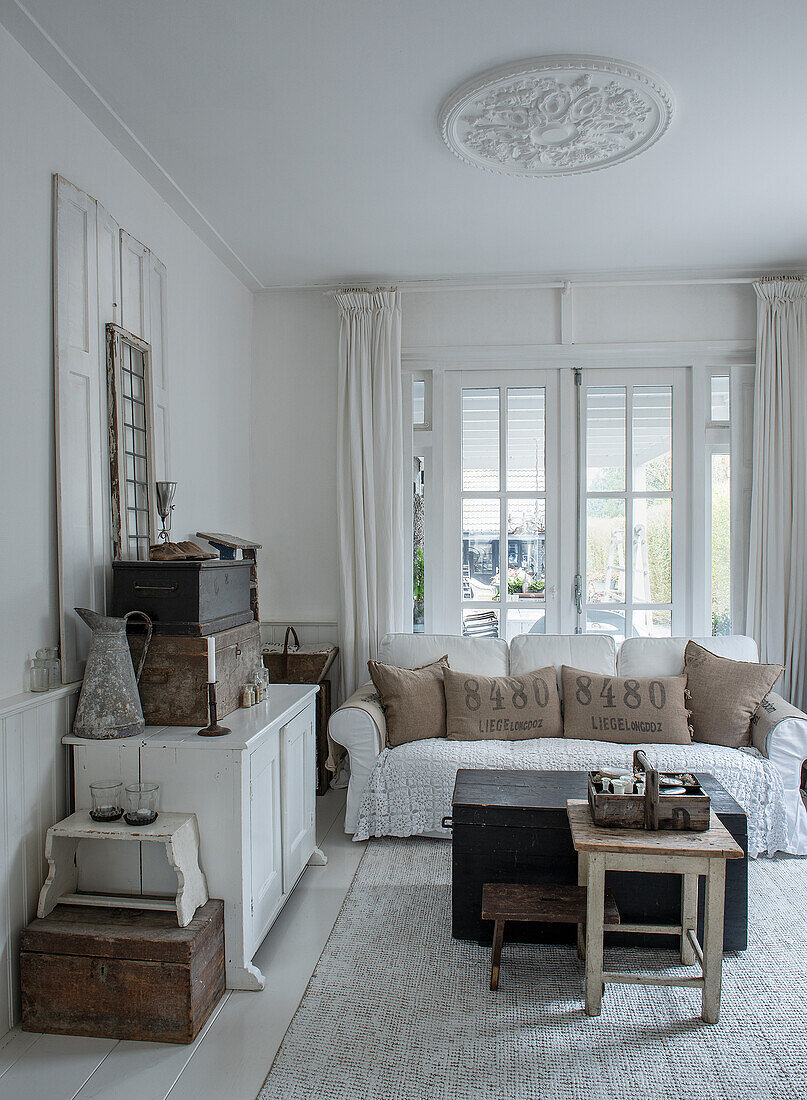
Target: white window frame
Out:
[700,358]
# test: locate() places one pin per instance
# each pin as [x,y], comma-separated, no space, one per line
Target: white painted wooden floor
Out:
[232,1054]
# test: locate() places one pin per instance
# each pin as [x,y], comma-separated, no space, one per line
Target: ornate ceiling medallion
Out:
[556,116]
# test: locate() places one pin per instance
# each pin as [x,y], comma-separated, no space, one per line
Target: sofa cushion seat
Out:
[410,787]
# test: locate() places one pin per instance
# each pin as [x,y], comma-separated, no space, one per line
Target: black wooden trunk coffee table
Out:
[511,826]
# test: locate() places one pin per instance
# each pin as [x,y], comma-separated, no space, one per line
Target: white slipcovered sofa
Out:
[407,790]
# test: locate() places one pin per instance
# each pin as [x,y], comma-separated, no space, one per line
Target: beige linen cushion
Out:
[413,699]
[724,694]
[624,711]
[502,708]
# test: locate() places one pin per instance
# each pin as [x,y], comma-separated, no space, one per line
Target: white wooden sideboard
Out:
[253,793]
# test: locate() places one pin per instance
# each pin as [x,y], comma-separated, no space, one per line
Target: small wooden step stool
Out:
[178,833]
[502,902]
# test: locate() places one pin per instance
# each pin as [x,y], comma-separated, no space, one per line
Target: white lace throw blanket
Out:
[410,787]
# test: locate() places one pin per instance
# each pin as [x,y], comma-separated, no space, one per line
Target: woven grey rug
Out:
[397,1010]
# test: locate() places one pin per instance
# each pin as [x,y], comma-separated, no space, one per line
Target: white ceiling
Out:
[305,131]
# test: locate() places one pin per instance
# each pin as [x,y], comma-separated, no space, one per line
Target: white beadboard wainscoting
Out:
[33,795]
[309,633]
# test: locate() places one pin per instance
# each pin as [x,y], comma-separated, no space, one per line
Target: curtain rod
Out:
[417,288]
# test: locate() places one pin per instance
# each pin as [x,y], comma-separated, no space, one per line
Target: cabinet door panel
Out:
[298,779]
[265,833]
[80,416]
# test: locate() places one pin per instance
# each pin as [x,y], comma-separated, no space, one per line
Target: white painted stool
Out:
[663,852]
[179,833]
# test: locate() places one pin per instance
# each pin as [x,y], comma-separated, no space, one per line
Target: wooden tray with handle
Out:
[653,809]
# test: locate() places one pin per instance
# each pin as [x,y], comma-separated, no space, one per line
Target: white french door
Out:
[502,553]
[633,482]
[565,502]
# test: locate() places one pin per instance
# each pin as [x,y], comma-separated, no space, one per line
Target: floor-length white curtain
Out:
[777,579]
[370,477]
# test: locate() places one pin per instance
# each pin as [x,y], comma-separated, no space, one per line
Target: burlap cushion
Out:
[502,708]
[626,711]
[724,694]
[413,699]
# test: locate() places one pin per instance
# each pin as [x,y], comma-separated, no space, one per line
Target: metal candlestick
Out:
[165,506]
[214,729]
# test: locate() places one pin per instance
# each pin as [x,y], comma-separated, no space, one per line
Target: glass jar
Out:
[50,655]
[40,675]
[141,803]
[107,804]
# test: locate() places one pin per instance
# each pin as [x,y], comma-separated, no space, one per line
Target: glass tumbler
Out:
[107,804]
[141,803]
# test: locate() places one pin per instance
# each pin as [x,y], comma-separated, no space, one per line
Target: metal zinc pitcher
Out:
[109,704]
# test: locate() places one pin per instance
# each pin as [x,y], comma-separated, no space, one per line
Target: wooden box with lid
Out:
[173,685]
[122,973]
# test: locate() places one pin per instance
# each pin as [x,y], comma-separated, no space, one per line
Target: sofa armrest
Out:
[779,731]
[360,727]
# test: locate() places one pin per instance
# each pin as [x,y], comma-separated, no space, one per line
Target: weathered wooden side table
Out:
[687,854]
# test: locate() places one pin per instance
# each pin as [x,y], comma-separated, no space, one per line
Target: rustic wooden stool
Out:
[502,902]
[687,854]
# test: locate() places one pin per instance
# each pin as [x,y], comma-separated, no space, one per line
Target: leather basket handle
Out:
[149,632]
[289,630]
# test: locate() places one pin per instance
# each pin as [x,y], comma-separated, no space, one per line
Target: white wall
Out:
[208,351]
[294,396]
[294,454]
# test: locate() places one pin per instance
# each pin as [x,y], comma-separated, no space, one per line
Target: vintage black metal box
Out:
[511,826]
[194,598]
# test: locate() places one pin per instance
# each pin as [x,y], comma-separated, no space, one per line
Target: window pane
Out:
[526,570]
[652,624]
[652,550]
[721,401]
[526,443]
[605,439]
[418,401]
[480,549]
[601,621]
[138,414]
[523,621]
[480,623]
[480,439]
[418,564]
[137,496]
[721,544]
[605,550]
[652,438]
